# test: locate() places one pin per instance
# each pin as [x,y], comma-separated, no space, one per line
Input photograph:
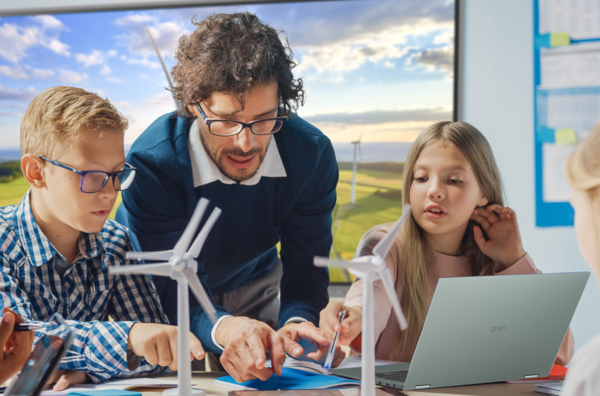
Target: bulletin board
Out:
[566,97]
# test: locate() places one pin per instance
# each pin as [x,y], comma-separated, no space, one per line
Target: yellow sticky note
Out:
[565,136]
[559,39]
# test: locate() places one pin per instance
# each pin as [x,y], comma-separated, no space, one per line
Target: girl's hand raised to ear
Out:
[500,224]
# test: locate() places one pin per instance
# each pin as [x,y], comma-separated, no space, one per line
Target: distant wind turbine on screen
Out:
[356,144]
[162,62]
[181,265]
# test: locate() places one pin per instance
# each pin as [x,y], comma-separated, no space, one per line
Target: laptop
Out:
[484,329]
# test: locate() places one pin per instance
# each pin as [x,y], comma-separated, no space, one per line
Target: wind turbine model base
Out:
[182,267]
[369,269]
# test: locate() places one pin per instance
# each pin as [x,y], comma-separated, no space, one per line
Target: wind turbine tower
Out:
[356,144]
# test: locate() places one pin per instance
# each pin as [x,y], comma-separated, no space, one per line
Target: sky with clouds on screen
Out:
[382,67]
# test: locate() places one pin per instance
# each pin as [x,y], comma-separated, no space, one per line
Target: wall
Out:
[498,100]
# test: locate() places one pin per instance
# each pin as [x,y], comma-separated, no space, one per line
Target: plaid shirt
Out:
[38,281]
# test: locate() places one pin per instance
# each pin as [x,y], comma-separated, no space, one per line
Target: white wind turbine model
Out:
[182,267]
[369,269]
[356,144]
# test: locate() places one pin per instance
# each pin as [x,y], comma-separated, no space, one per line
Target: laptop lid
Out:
[485,329]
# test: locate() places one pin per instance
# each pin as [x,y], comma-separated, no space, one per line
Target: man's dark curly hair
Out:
[233,53]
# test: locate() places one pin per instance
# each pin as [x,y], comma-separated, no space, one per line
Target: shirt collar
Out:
[204,170]
[37,246]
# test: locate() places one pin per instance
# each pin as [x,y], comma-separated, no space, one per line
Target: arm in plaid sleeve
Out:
[99,347]
[135,299]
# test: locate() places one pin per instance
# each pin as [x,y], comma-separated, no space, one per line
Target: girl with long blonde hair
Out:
[458,227]
[583,174]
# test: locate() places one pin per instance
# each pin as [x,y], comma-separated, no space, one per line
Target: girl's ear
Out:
[483,201]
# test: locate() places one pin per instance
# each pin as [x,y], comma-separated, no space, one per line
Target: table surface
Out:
[206,381]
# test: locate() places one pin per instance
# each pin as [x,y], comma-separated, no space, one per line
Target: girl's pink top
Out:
[444,266]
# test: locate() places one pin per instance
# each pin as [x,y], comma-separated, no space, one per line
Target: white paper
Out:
[120,384]
[576,65]
[579,18]
[556,188]
[348,362]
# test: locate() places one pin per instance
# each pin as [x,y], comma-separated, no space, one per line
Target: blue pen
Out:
[331,353]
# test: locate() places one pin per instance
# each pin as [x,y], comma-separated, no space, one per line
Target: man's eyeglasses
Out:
[231,128]
[94,181]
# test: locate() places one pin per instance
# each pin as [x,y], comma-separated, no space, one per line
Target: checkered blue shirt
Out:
[38,281]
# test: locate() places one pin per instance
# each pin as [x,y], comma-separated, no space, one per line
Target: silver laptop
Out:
[485,329]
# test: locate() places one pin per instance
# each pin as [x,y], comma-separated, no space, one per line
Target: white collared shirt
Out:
[204,170]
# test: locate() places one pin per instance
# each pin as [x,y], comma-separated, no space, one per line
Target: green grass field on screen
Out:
[377,197]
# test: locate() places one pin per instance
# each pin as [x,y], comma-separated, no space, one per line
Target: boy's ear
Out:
[483,201]
[32,170]
[192,109]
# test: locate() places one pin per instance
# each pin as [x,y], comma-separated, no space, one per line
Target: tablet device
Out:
[44,359]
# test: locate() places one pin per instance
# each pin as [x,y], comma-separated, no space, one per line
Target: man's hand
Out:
[66,378]
[246,342]
[305,333]
[157,343]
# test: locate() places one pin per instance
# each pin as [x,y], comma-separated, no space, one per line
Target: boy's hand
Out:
[157,343]
[330,324]
[15,347]
[500,224]
[66,378]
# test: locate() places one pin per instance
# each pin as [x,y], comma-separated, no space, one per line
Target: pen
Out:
[331,353]
[27,327]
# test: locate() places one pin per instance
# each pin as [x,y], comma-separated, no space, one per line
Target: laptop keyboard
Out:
[398,376]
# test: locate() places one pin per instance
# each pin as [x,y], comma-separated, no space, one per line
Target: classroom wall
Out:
[498,100]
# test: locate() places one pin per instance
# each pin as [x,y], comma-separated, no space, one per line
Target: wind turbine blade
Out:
[360,152]
[161,269]
[162,255]
[162,62]
[388,285]
[203,234]
[160,58]
[384,246]
[200,293]
[325,262]
[186,238]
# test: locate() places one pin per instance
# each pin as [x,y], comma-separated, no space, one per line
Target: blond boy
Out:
[56,245]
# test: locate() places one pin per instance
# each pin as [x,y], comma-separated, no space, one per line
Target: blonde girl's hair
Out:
[412,243]
[583,174]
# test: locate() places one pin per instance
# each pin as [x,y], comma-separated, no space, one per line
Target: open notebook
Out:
[291,379]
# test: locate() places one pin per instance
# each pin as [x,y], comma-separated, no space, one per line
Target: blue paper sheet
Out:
[291,379]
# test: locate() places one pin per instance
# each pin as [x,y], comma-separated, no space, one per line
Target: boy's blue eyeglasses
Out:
[94,181]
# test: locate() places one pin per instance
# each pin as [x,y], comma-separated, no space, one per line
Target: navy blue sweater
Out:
[295,210]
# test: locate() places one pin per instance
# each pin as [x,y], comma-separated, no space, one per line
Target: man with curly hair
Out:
[236,141]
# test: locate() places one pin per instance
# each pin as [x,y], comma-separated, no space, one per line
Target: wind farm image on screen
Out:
[376,73]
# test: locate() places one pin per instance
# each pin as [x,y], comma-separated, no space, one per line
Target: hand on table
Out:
[65,378]
[504,240]
[157,343]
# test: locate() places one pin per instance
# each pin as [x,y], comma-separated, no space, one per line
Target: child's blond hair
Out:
[59,114]
[413,248]
[583,174]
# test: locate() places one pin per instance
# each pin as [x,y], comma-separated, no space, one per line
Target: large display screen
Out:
[374,71]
